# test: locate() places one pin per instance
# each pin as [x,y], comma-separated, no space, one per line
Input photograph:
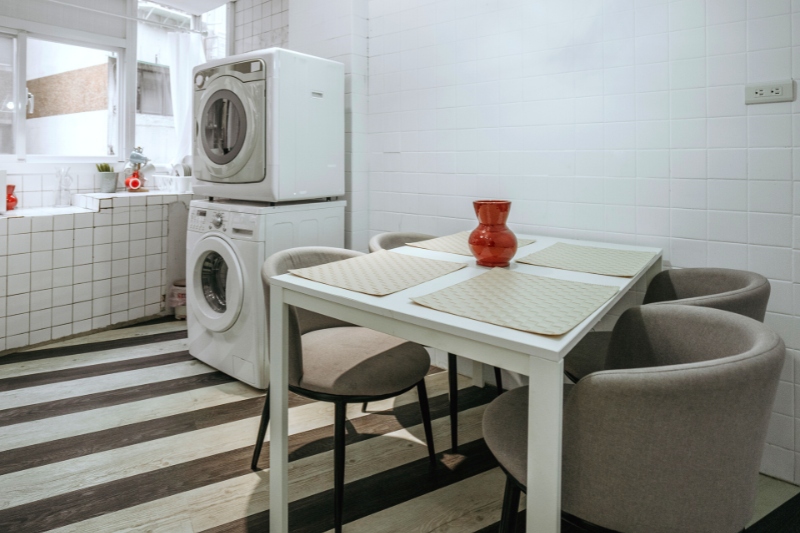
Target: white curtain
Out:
[185,52]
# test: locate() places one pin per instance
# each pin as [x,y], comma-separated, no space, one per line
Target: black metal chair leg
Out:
[262,432]
[338,464]
[422,391]
[508,520]
[452,372]
[364,407]
[498,378]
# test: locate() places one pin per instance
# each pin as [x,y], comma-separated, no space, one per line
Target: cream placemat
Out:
[521,301]
[379,273]
[605,261]
[457,243]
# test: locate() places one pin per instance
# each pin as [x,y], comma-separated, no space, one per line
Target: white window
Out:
[59,98]
[7,98]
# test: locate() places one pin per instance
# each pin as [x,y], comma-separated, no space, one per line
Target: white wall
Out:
[74,134]
[46,58]
[614,120]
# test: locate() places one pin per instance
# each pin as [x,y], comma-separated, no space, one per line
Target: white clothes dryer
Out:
[226,245]
[269,127]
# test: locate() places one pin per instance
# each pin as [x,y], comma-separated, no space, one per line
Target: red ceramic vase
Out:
[492,243]
[11,200]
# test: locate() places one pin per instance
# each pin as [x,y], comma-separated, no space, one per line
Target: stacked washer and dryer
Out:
[269,154]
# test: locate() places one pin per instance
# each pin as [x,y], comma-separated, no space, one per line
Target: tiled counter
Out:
[65,271]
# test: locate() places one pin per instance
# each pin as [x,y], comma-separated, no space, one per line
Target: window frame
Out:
[126,122]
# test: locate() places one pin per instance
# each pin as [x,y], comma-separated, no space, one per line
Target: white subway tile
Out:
[770,196]
[687,44]
[689,223]
[727,38]
[727,132]
[727,195]
[769,32]
[770,230]
[728,69]
[769,164]
[688,163]
[768,65]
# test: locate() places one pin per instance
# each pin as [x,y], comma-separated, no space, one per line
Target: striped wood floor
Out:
[124,431]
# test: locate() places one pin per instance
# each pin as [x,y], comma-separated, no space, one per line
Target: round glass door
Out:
[214,277]
[217,286]
[223,127]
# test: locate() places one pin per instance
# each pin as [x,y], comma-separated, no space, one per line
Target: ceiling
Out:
[194,7]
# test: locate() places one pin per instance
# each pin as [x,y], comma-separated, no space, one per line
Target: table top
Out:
[400,307]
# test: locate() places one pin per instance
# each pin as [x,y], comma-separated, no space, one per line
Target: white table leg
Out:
[279,413]
[544,446]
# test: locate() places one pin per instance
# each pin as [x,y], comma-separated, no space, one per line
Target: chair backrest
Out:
[300,320]
[737,291]
[389,240]
[676,446]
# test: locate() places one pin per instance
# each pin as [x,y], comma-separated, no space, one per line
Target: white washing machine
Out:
[226,244]
[269,127]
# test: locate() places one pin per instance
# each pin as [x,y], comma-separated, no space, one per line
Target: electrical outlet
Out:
[766,93]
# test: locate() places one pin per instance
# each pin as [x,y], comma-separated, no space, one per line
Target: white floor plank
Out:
[26,368]
[239,497]
[84,422]
[81,387]
[115,334]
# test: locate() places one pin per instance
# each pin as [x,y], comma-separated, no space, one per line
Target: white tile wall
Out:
[261,24]
[71,273]
[621,121]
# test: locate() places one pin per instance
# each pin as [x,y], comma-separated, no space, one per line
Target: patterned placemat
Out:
[457,243]
[379,273]
[605,261]
[521,301]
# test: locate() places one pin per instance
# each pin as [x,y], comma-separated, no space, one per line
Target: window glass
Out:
[153,90]
[215,25]
[72,100]
[7,94]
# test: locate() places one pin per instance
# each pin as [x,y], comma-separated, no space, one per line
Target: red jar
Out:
[11,200]
[492,243]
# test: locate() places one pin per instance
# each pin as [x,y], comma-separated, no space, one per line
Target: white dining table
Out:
[539,357]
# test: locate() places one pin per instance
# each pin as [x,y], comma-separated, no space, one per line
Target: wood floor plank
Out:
[46,353]
[115,416]
[116,334]
[19,488]
[90,402]
[53,364]
[56,451]
[240,492]
[82,387]
[90,371]
[466,506]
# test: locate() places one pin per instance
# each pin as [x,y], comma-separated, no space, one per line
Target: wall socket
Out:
[766,93]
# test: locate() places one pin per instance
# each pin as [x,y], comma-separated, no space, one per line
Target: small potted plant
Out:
[108,178]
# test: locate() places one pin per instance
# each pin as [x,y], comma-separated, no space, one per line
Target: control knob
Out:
[218,220]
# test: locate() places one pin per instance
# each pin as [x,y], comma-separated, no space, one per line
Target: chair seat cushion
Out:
[505,430]
[588,356]
[356,361]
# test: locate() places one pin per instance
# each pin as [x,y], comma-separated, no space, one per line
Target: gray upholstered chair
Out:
[395,239]
[334,361]
[738,291]
[387,241]
[670,436]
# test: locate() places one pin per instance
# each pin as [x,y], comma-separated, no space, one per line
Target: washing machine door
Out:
[227,117]
[217,284]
